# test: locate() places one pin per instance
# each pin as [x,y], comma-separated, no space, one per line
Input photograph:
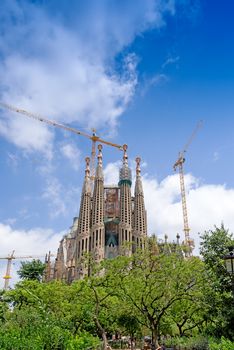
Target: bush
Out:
[82,341]
[195,343]
[200,343]
[223,344]
[54,339]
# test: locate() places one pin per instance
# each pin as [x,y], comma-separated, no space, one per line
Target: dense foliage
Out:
[214,246]
[155,293]
[31,270]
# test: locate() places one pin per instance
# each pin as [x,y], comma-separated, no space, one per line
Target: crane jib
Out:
[94,138]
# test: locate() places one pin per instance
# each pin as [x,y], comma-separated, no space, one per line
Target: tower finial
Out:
[99,155]
[87,169]
[138,168]
[125,156]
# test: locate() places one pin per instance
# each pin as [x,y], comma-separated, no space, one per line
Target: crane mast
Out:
[94,138]
[189,243]
[8,270]
[9,259]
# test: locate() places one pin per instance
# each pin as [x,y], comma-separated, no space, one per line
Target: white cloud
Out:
[111,173]
[64,69]
[72,153]
[155,80]
[53,196]
[59,199]
[36,242]
[81,92]
[170,60]
[207,204]
[26,135]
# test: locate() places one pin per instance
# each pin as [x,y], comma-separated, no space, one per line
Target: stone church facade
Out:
[111,222]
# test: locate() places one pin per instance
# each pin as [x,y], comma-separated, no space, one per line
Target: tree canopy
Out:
[154,292]
[31,270]
[214,246]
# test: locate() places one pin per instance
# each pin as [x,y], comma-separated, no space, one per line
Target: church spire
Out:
[125,174]
[138,168]
[99,170]
[83,231]
[139,217]
[87,185]
[138,185]
[97,230]
[85,205]
[125,156]
[125,225]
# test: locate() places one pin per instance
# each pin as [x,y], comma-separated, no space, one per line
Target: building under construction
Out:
[110,222]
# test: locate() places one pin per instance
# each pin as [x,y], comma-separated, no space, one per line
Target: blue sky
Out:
[141,72]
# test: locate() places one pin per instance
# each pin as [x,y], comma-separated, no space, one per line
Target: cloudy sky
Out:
[140,72]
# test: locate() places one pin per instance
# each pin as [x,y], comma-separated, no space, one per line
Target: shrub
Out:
[223,344]
[83,341]
[195,343]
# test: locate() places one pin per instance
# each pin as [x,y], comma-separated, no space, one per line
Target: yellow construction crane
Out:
[179,164]
[94,138]
[9,259]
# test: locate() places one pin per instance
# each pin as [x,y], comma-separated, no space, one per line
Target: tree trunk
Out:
[155,336]
[104,338]
[180,329]
[103,333]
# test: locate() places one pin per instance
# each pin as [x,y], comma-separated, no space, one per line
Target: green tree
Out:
[154,291]
[44,316]
[214,246]
[97,301]
[31,270]
[151,284]
[129,323]
[189,315]
[3,306]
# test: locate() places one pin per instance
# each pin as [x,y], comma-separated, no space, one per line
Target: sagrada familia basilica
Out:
[111,222]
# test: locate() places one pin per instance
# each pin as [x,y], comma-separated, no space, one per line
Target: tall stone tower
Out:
[125,224]
[83,231]
[139,216]
[97,221]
